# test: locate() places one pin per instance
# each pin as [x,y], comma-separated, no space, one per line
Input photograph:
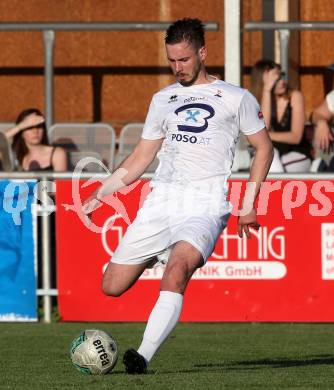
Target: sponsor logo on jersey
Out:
[195,117]
[193,99]
[219,93]
[192,139]
[260,115]
[172,99]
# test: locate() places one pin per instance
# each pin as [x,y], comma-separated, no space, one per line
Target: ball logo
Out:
[195,117]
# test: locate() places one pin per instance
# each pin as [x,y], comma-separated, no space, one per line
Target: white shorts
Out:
[169,215]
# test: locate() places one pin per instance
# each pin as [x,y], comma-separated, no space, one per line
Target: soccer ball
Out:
[94,352]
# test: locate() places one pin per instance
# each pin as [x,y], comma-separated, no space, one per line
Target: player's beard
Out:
[187,83]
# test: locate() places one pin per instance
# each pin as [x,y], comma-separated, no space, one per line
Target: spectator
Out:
[30,144]
[323,117]
[5,158]
[284,114]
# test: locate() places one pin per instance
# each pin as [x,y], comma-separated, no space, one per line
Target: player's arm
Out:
[139,160]
[135,164]
[258,173]
[129,171]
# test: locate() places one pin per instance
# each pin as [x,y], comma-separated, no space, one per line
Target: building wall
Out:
[111,76]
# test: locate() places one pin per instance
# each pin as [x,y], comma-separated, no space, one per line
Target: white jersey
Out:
[200,125]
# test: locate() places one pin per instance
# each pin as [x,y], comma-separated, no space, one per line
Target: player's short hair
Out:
[187,29]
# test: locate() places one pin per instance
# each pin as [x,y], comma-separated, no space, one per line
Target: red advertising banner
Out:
[285,272]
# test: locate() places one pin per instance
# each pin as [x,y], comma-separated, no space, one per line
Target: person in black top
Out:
[284,114]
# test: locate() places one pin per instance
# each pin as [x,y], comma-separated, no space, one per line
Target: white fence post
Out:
[232,40]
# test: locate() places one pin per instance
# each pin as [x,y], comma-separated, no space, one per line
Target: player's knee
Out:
[182,270]
[111,290]
[175,278]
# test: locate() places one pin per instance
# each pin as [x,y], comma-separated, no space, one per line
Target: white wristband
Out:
[112,184]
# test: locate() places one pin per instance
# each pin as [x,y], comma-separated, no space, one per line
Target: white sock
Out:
[161,322]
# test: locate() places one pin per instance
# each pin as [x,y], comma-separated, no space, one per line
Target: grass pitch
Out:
[197,356]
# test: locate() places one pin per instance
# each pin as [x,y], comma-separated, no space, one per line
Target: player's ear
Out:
[202,53]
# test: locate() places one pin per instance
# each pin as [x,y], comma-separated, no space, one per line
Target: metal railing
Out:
[284,29]
[49,38]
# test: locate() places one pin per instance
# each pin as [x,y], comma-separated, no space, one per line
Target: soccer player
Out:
[194,124]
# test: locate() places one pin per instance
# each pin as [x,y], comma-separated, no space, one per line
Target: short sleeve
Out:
[249,115]
[153,126]
[330,101]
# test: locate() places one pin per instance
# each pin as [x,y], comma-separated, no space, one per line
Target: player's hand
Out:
[323,136]
[90,204]
[270,77]
[247,221]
